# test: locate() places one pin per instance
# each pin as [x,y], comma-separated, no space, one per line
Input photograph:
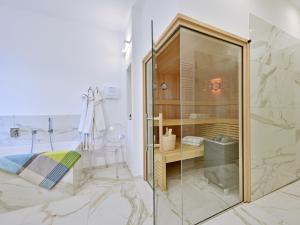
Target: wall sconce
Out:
[163,86]
[215,86]
[125,47]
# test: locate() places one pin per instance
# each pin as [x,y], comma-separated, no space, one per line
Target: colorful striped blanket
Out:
[44,169]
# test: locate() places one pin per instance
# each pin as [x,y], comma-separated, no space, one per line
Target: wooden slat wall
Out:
[212,130]
[168,71]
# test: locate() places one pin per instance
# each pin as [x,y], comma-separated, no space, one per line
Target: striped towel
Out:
[44,169]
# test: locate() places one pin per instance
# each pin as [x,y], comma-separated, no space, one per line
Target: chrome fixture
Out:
[33,135]
[14,132]
[50,131]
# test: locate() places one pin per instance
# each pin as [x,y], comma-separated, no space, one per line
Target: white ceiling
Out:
[109,14]
[296,3]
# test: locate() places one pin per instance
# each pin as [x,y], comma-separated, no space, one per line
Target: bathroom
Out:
[49,60]
[171,112]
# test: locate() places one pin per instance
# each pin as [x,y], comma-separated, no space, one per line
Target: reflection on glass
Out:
[168,199]
[210,94]
[197,90]
[149,107]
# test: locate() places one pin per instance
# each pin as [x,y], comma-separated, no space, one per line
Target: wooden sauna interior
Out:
[188,77]
[168,72]
[197,91]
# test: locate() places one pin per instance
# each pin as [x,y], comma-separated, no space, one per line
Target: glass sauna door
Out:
[198,92]
[210,98]
[149,113]
[167,163]
[149,121]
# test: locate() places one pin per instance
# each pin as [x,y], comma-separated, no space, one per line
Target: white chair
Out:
[114,141]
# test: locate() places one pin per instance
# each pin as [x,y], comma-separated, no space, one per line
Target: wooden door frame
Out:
[187,22]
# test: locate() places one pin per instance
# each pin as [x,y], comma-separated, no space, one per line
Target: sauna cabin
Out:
[196,90]
[196,126]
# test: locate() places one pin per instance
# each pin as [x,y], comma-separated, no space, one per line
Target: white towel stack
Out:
[192,140]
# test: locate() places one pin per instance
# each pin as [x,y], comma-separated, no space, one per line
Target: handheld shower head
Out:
[50,131]
[50,127]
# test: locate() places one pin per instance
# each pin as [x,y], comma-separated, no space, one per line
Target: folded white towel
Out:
[190,143]
[192,140]
[83,113]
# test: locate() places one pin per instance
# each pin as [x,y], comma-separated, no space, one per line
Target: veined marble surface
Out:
[275,103]
[17,193]
[279,207]
[64,126]
[128,201]
[191,199]
[102,200]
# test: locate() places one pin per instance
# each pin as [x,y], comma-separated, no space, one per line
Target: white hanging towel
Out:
[83,113]
[100,124]
[88,124]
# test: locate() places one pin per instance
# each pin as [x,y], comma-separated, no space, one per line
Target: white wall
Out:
[230,15]
[47,62]
[140,29]
[278,12]
[162,13]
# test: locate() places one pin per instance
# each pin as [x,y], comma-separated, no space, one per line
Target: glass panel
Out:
[210,95]
[149,111]
[168,202]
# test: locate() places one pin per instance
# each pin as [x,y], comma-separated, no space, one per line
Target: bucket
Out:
[168,142]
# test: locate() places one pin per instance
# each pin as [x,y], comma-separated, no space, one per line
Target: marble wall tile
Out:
[272,87]
[273,150]
[272,46]
[275,101]
[64,126]
[297,88]
[297,136]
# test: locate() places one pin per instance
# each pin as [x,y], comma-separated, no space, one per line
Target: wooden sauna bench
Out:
[210,127]
[178,122]
[181,152]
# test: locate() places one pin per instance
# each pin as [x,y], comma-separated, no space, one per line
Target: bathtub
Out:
[71,177]
[17,193]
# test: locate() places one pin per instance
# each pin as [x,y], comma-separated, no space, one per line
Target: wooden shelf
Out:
[181,152]
[187,103]
[178,122]
[166,102]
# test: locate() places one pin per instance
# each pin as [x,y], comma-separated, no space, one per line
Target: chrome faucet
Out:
[50,127]
[50,131]
[33,137]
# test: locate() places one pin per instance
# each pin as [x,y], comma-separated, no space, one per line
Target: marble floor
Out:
[17,193]
[281,207]
[102,200]
[191,199]
[105,200]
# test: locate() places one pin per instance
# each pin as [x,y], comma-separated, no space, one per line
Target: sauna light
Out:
[163,86]
[216,86]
